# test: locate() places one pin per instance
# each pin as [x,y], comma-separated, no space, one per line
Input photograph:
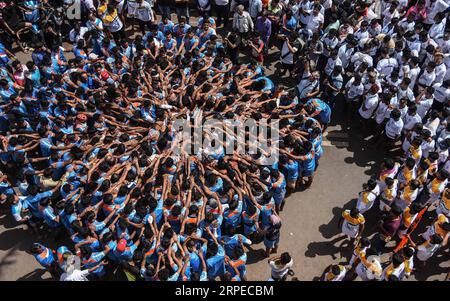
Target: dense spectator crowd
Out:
[395,80]
[87,137]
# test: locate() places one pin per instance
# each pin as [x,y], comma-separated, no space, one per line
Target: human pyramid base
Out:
[90,140]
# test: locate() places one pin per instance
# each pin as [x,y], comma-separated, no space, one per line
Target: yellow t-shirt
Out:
[408,218]
[102,9]
[407,194]
[355,221]
[109,18]
[446,199]
[437,225]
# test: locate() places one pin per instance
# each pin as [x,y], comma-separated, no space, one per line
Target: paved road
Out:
[310,217]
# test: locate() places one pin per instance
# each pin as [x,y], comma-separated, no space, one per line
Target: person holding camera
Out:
[281,266]
[288,52]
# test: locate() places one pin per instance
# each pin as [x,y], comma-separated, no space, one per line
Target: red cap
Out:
[375,88]
[104,75]
[121,245]
[82,117]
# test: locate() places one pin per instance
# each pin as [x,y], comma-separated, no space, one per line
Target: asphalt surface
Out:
[310,218]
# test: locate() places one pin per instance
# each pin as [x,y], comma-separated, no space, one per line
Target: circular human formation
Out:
[122,143]
[91,155]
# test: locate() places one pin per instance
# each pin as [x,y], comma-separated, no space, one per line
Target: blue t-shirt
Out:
[45,258]
[216,264]
[269,86]
[320,105]
[292,170]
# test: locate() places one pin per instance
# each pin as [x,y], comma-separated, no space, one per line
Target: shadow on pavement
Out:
[15,239]
[433,267]
[6,221]
[325,248]
[35,275]
[348,136]
[331,229]
[255,255]
[8,259]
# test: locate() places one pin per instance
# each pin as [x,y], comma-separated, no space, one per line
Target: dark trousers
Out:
[222,12]
[143,25]
[243,38]
[119,35]
[182,11]
[164,10]
[233,54]
[378,243]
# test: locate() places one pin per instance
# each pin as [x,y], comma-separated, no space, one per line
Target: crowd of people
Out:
[87,139]
[393,73]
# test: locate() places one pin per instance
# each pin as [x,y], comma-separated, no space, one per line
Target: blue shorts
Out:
[279,197]
[307,172]
[325,117]
[269,244]
[293,178]
[248,230]
[318,156]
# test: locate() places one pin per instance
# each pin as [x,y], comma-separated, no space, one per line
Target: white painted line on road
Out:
[337,135]
[327,143]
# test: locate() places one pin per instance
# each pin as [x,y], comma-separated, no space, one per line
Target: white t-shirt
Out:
[371,103]
[425,252]
[410,121]
[364,204]
[331,63]
[144,12]
[432,125]
[90,24]
[423,106]
[440,72]
[382,112]
[313,22]
[394,128]
[437,29]
[427,79]
[132,7]
[279,271]
[427,147]
[443,44]
[222,2]
[387,65]
[436,7]
[354,91]
[396,271]
[76,275]
[345,53]
[413,74]
[360,35]
[407,93]
[360,57]
[305,86]
[406,25]
[441,94]
[388,16]
[330,43]
[75,36]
